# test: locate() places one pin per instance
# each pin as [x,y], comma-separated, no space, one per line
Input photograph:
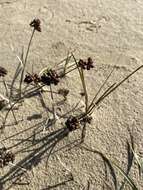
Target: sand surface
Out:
[111,32]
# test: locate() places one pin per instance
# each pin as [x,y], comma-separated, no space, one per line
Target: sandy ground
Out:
[111,32]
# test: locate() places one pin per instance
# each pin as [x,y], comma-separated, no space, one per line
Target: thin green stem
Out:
[85,90]
[25,61]
[70,70]
[17,72]
[7,94]
[80,70]
[113,88]
[51,91]
[121,82]
[100,89]
[101,97]
[66,63]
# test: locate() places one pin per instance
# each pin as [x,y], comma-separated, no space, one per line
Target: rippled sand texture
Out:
[109,31]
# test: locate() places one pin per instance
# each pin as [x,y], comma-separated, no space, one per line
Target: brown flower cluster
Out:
[6,157]
[3,72]
[47,78]
[36,24]
[50,77]
[32,78]
[72,123]
[86,64]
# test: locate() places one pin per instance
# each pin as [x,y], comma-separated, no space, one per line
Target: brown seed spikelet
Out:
[6,157]
[3,72]
[86,64]
[50,77]
[32,78]
[36,24]
[72,123]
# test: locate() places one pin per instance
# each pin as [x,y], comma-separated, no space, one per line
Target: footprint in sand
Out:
[94,24]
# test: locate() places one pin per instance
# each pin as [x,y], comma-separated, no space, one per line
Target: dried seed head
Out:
[9,157]
[36,24]
[82,64]
[3,72]
[28,79]
[36,78]
[32,78]
[86,64]
[50,77]
[89,63]
[72,123]
[6,157]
